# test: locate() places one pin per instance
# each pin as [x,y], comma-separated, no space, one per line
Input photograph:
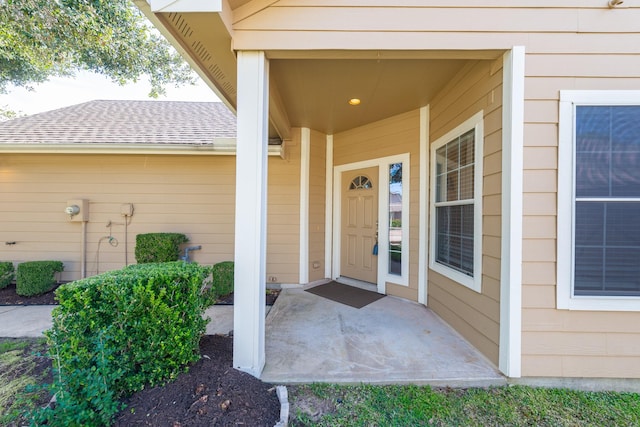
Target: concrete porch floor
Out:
[391,341]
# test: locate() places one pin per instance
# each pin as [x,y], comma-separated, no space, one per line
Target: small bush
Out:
[222,277]
[6,273]
[115,333]
[159,247]
[37,277]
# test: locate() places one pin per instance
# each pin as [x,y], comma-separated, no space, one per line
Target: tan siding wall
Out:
[186,194]
[189,195]
[395,135]
[475,315]
[570,44]
[561,342]
[561,27]
[283,214]
[317,177]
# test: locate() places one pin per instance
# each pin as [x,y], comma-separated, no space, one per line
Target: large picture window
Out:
[456,203]
[601,207]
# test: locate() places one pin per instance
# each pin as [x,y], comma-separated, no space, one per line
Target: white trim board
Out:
[183,6]
[423,226]
[328,211]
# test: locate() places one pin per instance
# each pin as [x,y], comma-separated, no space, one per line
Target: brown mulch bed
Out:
[272,295]
[8,296]
[211,393]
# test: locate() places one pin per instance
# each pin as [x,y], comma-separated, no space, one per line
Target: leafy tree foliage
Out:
[7,114]
[43,38]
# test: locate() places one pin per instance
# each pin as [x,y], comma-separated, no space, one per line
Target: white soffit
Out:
[185,5]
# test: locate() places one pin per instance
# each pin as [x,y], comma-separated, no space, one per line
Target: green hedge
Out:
[222,277]
[159,247]
[37,277]
[115,333]
[7,273]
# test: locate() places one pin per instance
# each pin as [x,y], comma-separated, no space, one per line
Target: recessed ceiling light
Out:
[354,101]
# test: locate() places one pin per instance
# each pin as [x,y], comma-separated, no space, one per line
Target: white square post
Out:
[251,213]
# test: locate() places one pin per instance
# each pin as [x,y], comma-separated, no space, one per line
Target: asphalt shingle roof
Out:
[124,122]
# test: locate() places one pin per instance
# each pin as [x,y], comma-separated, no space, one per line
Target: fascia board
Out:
[181,6]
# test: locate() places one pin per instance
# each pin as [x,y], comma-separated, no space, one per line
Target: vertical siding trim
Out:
[510,352]
[305,160]
[328,211]
[423,229]
[565,193]
[83,253]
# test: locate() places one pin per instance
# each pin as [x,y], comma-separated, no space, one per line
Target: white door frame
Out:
[383,201]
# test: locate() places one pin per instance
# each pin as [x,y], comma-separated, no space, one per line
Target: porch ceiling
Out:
[315,92]
[312,88]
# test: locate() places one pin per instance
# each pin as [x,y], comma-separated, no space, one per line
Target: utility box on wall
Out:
[77,210]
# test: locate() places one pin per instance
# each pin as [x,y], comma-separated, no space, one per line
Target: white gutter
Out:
[215,149]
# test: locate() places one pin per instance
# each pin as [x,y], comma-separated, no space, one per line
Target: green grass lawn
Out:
[21,378]
[365,405]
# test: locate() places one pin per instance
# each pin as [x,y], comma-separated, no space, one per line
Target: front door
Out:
[359,228]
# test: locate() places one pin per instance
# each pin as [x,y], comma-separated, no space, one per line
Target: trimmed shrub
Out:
[222,277]
[115,333]
[6,273]
[37,277]
[159,247]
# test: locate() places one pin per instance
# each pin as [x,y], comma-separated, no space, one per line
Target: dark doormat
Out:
[345,294]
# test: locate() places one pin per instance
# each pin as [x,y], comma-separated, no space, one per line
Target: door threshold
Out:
[367,286]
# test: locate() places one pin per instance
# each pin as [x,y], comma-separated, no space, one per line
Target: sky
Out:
[62,92]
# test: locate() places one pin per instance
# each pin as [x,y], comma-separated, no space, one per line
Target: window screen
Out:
[454,203]
[607,201]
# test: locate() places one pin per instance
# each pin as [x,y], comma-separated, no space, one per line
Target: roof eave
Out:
[218,66]
[150,7]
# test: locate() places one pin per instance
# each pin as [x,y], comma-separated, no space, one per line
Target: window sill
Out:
[599,303]
[456,276]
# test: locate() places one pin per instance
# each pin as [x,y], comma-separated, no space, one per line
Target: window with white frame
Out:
[394,220]
[599,200]
[456,203]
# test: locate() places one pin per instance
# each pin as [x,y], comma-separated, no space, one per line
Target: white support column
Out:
[510,354]
[251,212]
[305,160]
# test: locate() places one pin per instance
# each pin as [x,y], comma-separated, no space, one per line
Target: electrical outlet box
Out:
[77,210]
[126,209]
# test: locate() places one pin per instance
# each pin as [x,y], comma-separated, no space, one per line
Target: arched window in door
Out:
[360,182]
